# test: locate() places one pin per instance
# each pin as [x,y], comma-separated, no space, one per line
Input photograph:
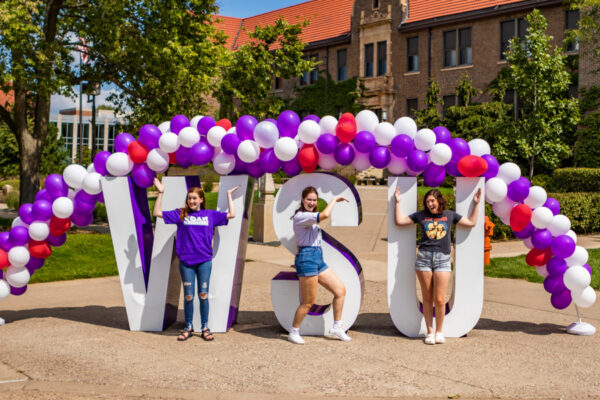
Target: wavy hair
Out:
[307,190]
[186,210]
[438,196]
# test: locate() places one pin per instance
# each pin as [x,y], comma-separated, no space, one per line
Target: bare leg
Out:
[440,285]
[426,281]
[331,282]
[308,290]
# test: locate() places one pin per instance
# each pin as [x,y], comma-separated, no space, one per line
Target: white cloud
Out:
[59,102]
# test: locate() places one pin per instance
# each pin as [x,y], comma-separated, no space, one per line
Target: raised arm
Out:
[401,220]
[157,212]
[326,213]
[472,220]
[230,206]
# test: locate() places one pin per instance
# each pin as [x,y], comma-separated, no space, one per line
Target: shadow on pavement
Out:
[112,317]
[519,326]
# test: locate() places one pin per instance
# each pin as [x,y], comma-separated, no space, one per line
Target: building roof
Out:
[230,26]
[327,19]
[420,10]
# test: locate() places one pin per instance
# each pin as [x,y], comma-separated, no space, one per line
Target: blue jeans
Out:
[309,261]
[190,273]
[432,261]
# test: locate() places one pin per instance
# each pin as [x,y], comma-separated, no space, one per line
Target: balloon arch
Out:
[294,145]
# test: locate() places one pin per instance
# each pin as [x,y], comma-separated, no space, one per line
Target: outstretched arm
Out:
[157,212]
[472,220]
[401,220]
[230,205]
[326,213]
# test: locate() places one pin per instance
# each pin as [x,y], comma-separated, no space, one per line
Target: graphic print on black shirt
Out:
[435,229]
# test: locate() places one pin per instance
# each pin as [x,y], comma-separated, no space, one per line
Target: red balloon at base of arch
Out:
[39,249]
[472,166]
[520,216]
[537,257]
[308,157]
[58,226]
[3,259]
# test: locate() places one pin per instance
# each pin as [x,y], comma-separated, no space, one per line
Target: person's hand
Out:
[159,186]
[339,199]
[230,191]
[477,197]
[397,195]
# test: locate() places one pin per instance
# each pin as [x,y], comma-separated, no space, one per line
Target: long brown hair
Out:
[307,190]
[438,196]
[186,210]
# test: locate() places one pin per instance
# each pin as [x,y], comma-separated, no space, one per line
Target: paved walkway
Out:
[71,340]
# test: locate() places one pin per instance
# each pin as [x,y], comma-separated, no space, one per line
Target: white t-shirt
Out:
[306,229]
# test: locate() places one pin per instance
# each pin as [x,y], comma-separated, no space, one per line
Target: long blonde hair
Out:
[186,210]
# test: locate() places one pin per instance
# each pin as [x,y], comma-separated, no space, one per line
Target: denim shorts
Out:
[433,261]
[309,261]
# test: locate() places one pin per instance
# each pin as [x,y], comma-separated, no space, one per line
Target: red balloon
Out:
[172,158]
[348,117]
[472,166]
[137,152]
[58,226]
[308,158]
[345,131]
[537,257]
[39,249]
[520,217]
[224,123]
[3,259]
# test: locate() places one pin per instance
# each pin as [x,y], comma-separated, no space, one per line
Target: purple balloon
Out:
[84,196]
[364,142]
[205,124]
[254,170]
[230,143]
[519,189]
[562,246]
[271,120]
[244,127]
[25,213]
[287,123]
[17,291]
[122,141]
[525,232]
[380,157]
[179,122]
[442,135]
[292,167]
[42,210]
[344,154]
[100,162]
[417,160]
[452,169]
[82,207]
[588,267]
[37,263]
[82,219]
[56,241]
[148,136]
[561,300]
[269,162]
[551,203]
[493,166]
[100,197]
[402,145]
[42,195]
[312,117]
[460,148]
[327,142]
[434,175]
[143,176]
[556,266]
[5,243]
[19,236]
[541,239]
[182,155]
[240,167]
[201,153]
[554,284]
[56,186]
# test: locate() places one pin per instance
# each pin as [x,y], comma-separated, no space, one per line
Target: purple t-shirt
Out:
[195,233]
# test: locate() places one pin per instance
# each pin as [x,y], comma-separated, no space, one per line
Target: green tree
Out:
[587,146]
[327,97]
[589,27]
[429,116]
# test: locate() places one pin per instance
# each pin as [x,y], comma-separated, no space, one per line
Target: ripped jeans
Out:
[189,274]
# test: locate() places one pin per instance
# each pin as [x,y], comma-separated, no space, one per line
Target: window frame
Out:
[410,111]
[368,66]
[572,46]
[519,29]
[412,56]
[381,62]
[342,74]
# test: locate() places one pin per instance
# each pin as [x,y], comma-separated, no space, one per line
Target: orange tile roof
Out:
[230,26]
[419,10]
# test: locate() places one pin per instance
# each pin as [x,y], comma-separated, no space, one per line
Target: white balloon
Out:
[74,175]
[541,271]
[328,124]
[215,135]
[572,235]
[39,231]
[577,278]
[224,163]
[440,154]
[537,197]
[509,172]
[384,133]
[231,130]
[165,127]
[90,168]
[266,134]
[579,257]
[542,217]
[560,225]
[527,243]
[248,151]
[119,164]
[168,142]
[397,165]
[4,289]
[495,190]
[479,147]
[17,276]
[407,126]
[586,298]
[194,121]
[361,161]
[285,148]
[91,183]
[188,136]
[18,222]
[309,131]
[503,208]
[62,207]
[157,160]
[425,139]
[327,161]
[366,120]
[18,256]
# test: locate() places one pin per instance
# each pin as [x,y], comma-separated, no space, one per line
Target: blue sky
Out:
[248,8]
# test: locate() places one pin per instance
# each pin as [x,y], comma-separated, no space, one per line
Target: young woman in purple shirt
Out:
[195,228]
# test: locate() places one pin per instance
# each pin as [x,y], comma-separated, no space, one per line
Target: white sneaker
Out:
[429,339]
[295,338]
[339,333]
[439,338]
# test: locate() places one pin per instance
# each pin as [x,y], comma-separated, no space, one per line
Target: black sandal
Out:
[207,335]
[185,335]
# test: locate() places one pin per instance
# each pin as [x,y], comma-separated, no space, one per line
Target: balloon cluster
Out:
[294,145]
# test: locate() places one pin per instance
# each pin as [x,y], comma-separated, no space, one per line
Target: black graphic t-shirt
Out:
[435,229]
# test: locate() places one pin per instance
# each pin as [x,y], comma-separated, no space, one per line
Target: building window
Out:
[381,58]
[304,79]
[464,42]
[277,83]
[449,101]
[508,30]
[450,49]
[457,43]
[412,54]
[572,23]
[66,132]
[314,74]
[112,132]
[99,136]
[369,59]
[86,135]
[412,105]
[341,65]
[375,4]
[573,92]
